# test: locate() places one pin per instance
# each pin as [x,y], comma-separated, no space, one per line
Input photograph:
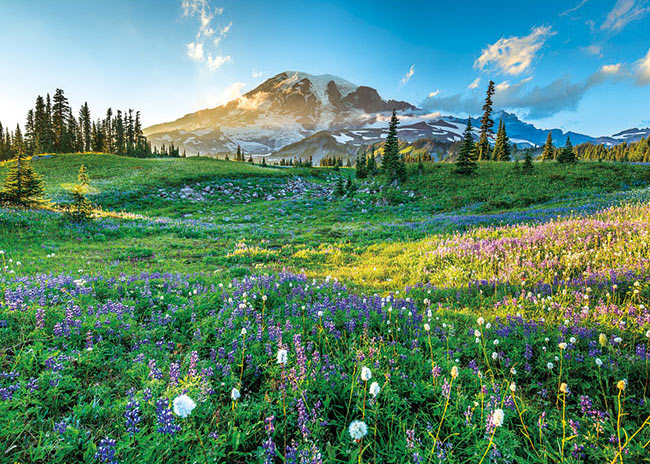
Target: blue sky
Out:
[580,65]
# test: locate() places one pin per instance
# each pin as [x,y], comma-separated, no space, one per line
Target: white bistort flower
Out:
[234,394]
[374,389]
[358,430]
[497,417]
[366,374]
[183,405]
[282,356]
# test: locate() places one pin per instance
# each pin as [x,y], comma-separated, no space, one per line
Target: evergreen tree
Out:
[82,178]
[502,144]
[22,186]
[567,155]
[238,156]
[465,162]
[392,163]
[420,165]
[371,163]
[80,209]
[360,166]
[548,153]
[486,125]
[339,190]
[527,168]
[86,127]
[60,123]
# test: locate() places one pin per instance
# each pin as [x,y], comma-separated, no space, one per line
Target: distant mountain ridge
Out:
[295,113]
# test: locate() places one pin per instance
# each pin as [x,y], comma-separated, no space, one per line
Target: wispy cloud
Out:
[537,101]
[434,93]
[256,74]
[623,13]
[643,70]
[594,49]
[474,83]
[408,75]
[203,48]
[575,8]
[514,55]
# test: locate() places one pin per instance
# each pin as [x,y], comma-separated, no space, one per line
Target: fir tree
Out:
[82,177]
[361,166]
[339,190]
[371,163]
[22,186]
[548,153]
[567,155]
[486,125]
[238,156]
[527,168]
[502,144]
[392,163]
[85,123]
[80,209]
[465,162]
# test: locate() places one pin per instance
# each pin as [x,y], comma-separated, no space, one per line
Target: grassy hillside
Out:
[523,298]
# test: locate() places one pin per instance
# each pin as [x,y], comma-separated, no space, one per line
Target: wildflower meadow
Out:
[143,337]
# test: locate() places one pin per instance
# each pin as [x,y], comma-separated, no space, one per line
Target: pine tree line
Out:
[51,127]
[638,152]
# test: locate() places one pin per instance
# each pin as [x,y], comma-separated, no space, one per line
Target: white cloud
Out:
[611,68]
[502,86]
[536,101]
[204,47]
[474,83]
[433,94]
[408,75]
[256,74]
[643,70]
[233,91]
[623,13]
[514,55]
[195,51]
[575,8]
[594,49]
[216,62]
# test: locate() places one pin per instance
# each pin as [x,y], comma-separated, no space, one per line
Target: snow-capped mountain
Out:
[301,115]
[284,109]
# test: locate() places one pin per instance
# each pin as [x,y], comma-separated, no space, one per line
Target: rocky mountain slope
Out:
[295,114]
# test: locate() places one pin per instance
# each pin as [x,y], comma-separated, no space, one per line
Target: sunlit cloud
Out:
[643,70]
[514,55]
[434,93]
[623,13]
[203,48]
[474,83]
[408,75]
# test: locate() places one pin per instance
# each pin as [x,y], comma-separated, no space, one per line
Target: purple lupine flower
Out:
[60,427]
[165,418]
[132,416]
[194,358]
[154,372]
[106,451]
[174,372]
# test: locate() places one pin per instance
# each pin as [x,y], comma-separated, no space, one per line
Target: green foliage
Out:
[502,145]
[527,168]
[567,155]
[466,160]
[483,147]
[22,186]
[548,153]
[392,164]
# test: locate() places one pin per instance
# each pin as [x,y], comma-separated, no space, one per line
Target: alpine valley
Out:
[299,115]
